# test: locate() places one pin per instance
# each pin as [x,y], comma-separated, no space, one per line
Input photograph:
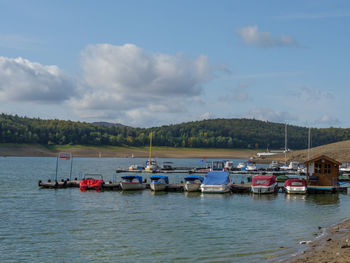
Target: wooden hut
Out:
[322,174]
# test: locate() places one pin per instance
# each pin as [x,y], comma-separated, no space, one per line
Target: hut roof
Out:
[322,157]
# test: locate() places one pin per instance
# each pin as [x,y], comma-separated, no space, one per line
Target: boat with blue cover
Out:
[193,183]
[159,182]
[216,182]
[132,182]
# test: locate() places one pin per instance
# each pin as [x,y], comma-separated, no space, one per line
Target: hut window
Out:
[318,167]
[327,168]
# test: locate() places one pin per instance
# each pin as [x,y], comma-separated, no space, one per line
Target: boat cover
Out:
[216,178]
[295,182]
[131,177]
[157,177]
[193,177]
[264,180]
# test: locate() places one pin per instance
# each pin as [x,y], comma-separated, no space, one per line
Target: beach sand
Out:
[333,247]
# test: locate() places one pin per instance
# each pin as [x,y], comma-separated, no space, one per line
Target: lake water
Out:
[66,225]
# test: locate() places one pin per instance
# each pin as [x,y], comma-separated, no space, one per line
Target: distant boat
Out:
[168,166]
[229,165]
[132,182]
[242,165]
[151,164]
[274,165]
[91,182]
[135,167]
[216,182]
[159,182]
[251,166]
[264,184]
[193,183]
[295,186]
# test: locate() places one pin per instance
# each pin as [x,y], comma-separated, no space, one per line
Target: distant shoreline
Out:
[29,150]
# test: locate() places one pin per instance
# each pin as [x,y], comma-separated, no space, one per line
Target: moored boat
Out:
[229,165]
[251,166]
[91,182]
[216,182]
[295,186]
[132,182]
[135,167]
[159,182]
[264,184]
[151,165]
[168,166]
[193,183]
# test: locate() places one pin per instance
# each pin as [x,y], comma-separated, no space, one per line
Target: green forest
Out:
[214,133]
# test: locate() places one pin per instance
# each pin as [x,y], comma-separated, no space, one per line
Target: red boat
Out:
[295,186]
[91,182]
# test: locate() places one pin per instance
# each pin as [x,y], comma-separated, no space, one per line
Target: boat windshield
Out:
[260,182]
[297,183]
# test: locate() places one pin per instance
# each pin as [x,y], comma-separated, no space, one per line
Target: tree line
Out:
[214,133]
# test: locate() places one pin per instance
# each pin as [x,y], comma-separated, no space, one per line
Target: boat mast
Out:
[308,144]
[285,144]
[150,147]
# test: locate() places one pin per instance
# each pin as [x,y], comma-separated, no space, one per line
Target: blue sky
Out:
[150,63]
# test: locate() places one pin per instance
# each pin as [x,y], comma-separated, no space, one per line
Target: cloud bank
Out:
[133,84]
[24,81]
[251,36]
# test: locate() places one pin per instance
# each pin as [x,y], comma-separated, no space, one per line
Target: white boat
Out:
[241,165]
[229,166]
[193,183]
[159,182]
[132,182]
[135,167]
[251,166]
[345,167]
[293,166]
[264,184]
[151,165]
[295,186]
[168,166]
[216,182]
[274,165]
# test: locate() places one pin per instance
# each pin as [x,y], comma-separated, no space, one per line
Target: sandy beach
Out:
[333,247]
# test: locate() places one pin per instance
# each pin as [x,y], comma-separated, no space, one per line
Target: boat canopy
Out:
[264,180]
[157,177]
[193,177]
[216,178]
[131,177]
[295,182]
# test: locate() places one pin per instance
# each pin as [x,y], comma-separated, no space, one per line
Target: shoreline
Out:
[27,150]
[332,246]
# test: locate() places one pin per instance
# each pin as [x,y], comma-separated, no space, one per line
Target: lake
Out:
[67,225]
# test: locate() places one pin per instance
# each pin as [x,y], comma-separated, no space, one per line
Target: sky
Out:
[152,63]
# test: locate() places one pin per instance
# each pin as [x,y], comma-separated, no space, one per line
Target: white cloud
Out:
[251,36]
[328,120]
[311,94]
[126,81]
[206,116]
[24,81]
[266,114]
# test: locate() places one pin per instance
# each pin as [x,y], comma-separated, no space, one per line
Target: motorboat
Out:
[293,166]
[216,182]
[264,184]
[135,167]
[159,182]
[295,186]
[251,166]
[241,165]
[229,165]
[132,182]
[168,166]
[274,165]
[151,165]
[217,166]
[193,183]
[344,167]
[91,182]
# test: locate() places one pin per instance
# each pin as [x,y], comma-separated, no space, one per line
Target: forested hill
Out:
[218,133]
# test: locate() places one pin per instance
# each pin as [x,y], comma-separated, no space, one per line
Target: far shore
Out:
[27,150]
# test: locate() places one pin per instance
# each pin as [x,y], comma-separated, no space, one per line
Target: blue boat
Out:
[132,182]
[159,182]
[193,183]
[216,182]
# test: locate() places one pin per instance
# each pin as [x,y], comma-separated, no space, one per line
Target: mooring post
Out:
[56,168]
[71,167]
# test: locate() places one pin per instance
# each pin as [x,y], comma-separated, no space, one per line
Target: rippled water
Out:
[66,225]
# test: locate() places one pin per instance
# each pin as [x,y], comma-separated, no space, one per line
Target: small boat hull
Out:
[296,190]
[192,187]
[90,184]
[260,189]
[129,186]
[157,186]
[215,189]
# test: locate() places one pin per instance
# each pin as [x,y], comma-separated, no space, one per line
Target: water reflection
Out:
[264,197]
[323,199]
[158,192]
[131,192]
[192,194]
[210,195]
[295,197]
